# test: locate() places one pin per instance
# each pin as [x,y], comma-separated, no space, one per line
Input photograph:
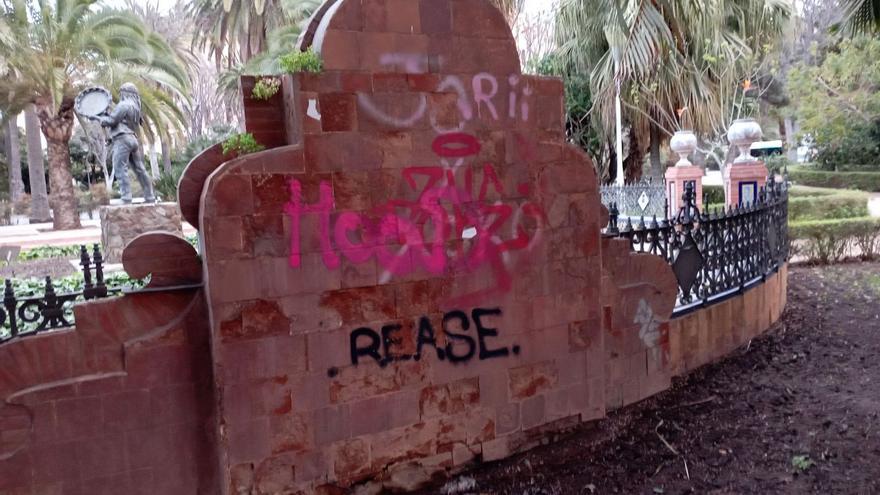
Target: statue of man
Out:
[124,123]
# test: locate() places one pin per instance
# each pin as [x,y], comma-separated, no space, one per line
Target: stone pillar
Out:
[122,224]
[745,177]
[683,143]
[744,181]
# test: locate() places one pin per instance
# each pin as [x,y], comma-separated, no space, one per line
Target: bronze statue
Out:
[124,123]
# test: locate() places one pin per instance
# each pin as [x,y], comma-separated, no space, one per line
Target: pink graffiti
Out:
[404,243]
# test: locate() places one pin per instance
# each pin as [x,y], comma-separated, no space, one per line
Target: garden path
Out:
[41,234]
[874,204]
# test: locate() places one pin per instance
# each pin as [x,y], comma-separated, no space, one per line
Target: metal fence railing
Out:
[714,254]
[25,314]
[640,199]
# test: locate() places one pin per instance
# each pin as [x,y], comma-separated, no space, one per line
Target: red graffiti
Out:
[445,229]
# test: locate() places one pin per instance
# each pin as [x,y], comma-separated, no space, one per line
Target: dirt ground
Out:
[52,267]
[796,411]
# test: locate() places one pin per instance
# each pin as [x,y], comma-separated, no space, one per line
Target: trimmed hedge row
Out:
[713,195]
[795,191]
[837,205]
[864,181]
[828,241]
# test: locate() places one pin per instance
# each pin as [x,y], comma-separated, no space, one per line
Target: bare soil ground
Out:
[796,411]
[51,267]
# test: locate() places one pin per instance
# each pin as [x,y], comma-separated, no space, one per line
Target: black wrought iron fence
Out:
[639,199]
[714,254]
[32,314]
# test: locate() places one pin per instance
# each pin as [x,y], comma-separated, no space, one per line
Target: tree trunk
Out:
[58,127]
[166,155]
[791,140]
[13,154]
[36,172]
[656,160]
[632,164]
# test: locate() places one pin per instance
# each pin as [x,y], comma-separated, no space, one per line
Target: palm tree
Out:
[510,8]
[665,56]
[248,37]
[861,16]
[236,29]
[36,172]
[13,156]
[51,50]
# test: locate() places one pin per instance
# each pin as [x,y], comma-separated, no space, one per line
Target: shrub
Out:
[864,181]
[713,195]
[242,144]
[826,241]
[307,61]
[810,192]
[776,164]
[839,204]
[215,134]
[266,87]
[166,186]
[23,205]
[5,212]
[44,252]
[89,200]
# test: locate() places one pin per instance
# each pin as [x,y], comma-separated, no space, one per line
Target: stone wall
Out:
[417,285]
[711,333]
[119,404]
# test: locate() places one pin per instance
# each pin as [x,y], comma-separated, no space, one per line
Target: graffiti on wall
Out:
[451,226]
[405,236]
[462,338]
[485,99]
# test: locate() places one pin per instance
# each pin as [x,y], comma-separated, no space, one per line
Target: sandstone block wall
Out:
[711,333]
[416,284]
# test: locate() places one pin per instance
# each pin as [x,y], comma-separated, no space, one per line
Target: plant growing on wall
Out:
[307,61]
[266,87]
[242,144]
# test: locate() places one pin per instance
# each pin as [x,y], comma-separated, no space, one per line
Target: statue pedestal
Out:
[744,181]
[121,224]
[676,181]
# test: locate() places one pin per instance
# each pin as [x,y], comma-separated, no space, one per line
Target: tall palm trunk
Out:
[656,159]
[166,154]
[58,127]
[36,173]
[13,154]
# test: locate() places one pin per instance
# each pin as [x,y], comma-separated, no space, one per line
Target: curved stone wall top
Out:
[412,36]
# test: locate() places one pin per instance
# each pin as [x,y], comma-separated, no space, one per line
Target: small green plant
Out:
[266,87]
[45,252]
[801,462]
[242,144]
[166,185]
[307,61]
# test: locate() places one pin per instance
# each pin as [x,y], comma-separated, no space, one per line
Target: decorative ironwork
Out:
[714,254]
[634,200]
[30,315]
[35,314]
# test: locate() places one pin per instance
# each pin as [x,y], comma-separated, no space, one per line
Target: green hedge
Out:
[826,241]
[838,205]
[796,191]
[870,167]
[864,181]
[713,195]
